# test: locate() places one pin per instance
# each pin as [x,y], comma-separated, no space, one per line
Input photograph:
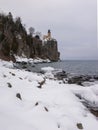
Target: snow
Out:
[30,60]
[47,69]
[52,107]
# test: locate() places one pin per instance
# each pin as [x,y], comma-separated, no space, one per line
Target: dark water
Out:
[72,66]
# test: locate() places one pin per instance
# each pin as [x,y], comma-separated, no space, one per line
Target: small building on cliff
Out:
[50,47]
[14,40]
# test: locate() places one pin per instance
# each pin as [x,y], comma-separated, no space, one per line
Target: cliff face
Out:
[38,48]
[50,50]
[15,40]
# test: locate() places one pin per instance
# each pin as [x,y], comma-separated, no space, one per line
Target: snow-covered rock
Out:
[30,60]
[47,69]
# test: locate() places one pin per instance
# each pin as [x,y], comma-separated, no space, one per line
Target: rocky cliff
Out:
[14,40]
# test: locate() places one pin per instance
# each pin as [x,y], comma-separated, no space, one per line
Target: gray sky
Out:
[72,22]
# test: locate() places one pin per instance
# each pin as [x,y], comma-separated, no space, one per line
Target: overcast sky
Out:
[72,22]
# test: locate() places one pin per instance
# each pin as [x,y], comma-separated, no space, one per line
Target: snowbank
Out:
[53,106]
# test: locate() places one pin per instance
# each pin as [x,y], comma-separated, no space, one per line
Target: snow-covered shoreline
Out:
[45,104]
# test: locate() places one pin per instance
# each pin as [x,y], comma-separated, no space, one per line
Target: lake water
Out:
[72,66]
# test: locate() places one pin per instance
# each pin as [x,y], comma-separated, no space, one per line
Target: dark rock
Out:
[80,79]
[36,103]
[21,65]
[42,72]
[94,112]
[18,62]
[76,79]
[9,85]
[61,75]
[46,109]
[28,70]
[24,63]
[79,96]
[96,77]
[18,96]
[60,82]
[79,126]
[24,67]
[20,78]
[58,125]
[4,76]
[39,86]
[33,65]
[12,73]
[79,83]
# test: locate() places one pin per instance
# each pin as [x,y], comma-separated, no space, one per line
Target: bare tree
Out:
[10,16]
[31,30]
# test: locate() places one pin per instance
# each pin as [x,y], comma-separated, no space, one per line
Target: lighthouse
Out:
[49,34]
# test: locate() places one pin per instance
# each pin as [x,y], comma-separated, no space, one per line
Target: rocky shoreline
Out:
[65,78]
[59,74]
[83,80]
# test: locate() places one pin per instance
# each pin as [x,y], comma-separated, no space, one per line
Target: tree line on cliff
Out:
[14,40]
